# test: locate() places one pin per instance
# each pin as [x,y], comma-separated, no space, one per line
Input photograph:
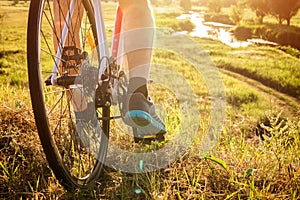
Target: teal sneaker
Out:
[141,115]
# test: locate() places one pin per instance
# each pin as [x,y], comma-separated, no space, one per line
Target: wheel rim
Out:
[71,160]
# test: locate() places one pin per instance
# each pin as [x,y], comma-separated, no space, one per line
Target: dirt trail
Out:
[289,104]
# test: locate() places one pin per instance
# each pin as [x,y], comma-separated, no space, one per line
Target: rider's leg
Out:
[61,9]
[138,29]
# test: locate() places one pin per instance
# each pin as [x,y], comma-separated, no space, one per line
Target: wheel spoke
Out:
[72,154]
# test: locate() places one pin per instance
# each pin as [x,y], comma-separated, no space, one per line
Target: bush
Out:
[221,18]
[186,25]
[280,34]
[242,33]
[289,38]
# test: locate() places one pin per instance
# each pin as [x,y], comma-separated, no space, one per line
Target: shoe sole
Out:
[143,121]
[149,139]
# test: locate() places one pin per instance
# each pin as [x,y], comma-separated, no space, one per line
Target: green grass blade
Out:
[216,160]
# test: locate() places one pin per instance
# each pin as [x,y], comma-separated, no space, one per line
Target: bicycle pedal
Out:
[48,81]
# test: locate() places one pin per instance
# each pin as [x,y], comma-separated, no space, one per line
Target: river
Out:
[217,31]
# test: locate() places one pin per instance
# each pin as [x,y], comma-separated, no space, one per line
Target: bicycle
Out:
[54,81]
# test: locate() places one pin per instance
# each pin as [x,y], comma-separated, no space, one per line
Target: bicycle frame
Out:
[101,35]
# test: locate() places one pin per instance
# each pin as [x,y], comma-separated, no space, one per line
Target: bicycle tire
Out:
[71,162]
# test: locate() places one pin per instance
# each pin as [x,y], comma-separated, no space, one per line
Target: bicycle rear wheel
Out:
[75,163]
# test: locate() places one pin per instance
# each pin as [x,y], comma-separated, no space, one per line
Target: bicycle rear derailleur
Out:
[111,88]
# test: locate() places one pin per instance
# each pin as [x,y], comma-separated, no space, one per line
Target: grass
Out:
[268,65]
[240,166]
[12,55]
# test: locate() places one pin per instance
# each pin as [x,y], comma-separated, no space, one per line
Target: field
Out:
[257,155]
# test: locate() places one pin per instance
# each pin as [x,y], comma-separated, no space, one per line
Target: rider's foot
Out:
[141,114]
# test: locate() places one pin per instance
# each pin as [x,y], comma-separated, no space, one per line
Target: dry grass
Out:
[241,165]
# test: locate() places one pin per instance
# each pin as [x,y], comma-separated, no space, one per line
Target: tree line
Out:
[282,10]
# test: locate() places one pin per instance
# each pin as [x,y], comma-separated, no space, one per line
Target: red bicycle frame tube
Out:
[117,31]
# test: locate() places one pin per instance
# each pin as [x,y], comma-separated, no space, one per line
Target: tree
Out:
[236,13]
[284,9]
[260,7]
[215,5]
[186,5]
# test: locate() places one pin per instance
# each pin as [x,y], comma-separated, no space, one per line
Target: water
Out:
[217,31]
